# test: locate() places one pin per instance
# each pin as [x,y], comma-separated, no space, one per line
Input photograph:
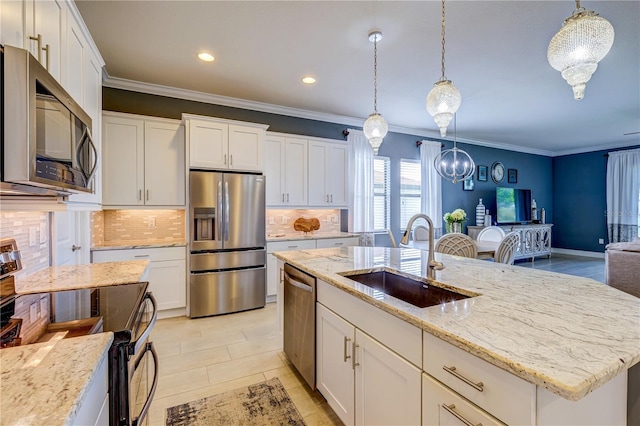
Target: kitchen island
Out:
[570,337]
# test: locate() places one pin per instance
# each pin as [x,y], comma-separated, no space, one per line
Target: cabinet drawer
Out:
[290,245]
[151,254]
[441,406]
[336,242]
[507,397]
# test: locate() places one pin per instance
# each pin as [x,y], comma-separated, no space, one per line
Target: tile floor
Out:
[205,356]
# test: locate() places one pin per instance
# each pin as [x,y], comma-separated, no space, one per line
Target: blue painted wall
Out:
[571,188]
[580,200]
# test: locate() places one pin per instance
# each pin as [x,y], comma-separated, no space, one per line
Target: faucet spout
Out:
[432,264]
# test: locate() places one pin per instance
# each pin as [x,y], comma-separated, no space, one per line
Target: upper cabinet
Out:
[219,144]
[285,164]
[143,161]
[304,171]
[45,25]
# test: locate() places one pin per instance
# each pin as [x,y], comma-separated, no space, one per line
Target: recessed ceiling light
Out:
[308,80]
[207,57]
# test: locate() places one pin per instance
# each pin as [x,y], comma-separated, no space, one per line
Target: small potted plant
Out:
[454,220]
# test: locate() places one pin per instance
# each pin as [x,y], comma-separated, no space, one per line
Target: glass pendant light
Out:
[376,127]
[454,164]
[444,99]
[584,39]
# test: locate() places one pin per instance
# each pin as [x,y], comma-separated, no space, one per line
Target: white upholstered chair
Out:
[491,233]
[457,244]
[420,233]
[506,251]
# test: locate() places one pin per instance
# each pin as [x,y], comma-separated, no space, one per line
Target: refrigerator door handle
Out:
[226,211]
[219,218]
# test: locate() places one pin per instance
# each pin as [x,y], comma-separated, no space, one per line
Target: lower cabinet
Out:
[94,408]
[363,381]
[166,273]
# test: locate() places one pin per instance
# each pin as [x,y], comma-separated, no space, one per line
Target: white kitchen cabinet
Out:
[363,381]
[285,167]
[219,144]
[166,274]
[337,242]
[143,161]
[328,174]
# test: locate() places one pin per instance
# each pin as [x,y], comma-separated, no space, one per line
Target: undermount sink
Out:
[415,292]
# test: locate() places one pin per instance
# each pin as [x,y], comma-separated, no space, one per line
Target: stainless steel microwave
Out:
[46,136]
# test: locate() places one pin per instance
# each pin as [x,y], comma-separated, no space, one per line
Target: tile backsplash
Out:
[137,226]
[281,221]
[31,232]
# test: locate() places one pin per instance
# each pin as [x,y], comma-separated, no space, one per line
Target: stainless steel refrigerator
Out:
[227,242]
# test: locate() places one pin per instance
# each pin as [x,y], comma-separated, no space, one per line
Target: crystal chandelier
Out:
[376,127]
[444,99]
[454,164]
[584,39]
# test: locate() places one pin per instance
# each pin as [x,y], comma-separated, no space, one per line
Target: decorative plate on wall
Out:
[497,172]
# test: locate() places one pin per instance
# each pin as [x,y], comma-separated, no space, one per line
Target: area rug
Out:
[264,403]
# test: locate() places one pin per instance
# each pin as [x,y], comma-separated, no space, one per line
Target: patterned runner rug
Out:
[265,403]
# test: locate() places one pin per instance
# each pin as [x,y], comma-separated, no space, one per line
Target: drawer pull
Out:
[141,255]
[451,410]
[346,340]
[452,370]
[292,246]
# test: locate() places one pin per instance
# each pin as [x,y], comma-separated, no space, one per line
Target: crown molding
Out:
[192,95]
[597,148]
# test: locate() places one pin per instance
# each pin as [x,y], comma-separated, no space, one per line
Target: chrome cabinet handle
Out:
[452,370]
[47,51]
[147,195]
[38,38]
[283,197]
[139,194]
[331,198]
[287,197]
[451,410]
[225,159]
[327,197]
[141,255]
[231,159]
[75,247]
[354,364]
[292,247]
[346,340]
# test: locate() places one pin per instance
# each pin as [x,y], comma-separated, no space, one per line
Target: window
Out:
[381,199]
[410,190]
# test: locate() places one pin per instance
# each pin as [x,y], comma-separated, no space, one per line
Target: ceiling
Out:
[495,55]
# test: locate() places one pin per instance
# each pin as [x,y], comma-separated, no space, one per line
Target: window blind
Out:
[381,195]
[410,190]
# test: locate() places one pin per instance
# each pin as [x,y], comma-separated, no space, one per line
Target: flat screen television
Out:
[513,206]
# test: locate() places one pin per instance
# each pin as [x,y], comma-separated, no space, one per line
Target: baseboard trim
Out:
[582,253]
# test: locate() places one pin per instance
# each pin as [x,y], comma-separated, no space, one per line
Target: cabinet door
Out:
[295,167]
[245,148]
[75,51]
[318,155]
[164,164]
[49,20]
[12,20]
[123,161]
[272,275]
[336,175]
[334,363]
[387,387]
[167,282]
[274,171]
[208,144]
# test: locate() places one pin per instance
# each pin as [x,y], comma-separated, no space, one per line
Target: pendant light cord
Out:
[443,78]
[375,74]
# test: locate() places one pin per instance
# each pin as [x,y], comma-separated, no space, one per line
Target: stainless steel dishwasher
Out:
[300,322]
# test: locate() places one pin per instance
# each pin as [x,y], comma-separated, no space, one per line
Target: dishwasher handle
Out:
[296,283]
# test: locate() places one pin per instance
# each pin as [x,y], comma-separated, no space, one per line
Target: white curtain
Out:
[361,186]
[431,185]
[623,185]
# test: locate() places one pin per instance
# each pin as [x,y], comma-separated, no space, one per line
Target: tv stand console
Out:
[535,239]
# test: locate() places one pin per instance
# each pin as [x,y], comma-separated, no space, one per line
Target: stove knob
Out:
[5,257]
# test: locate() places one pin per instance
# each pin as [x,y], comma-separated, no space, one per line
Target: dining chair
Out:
[491,233]
[420,233]
[457,244]
[506,251]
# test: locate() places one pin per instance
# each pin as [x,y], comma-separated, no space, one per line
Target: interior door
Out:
[65,251]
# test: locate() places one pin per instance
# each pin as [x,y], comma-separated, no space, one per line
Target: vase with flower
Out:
[454,220]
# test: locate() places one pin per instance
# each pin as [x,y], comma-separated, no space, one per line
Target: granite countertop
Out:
[74,277]
[311,236]
[46,383]
[127,245]
[566,334]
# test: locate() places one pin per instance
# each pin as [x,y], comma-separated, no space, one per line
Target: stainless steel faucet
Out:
[432,265]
